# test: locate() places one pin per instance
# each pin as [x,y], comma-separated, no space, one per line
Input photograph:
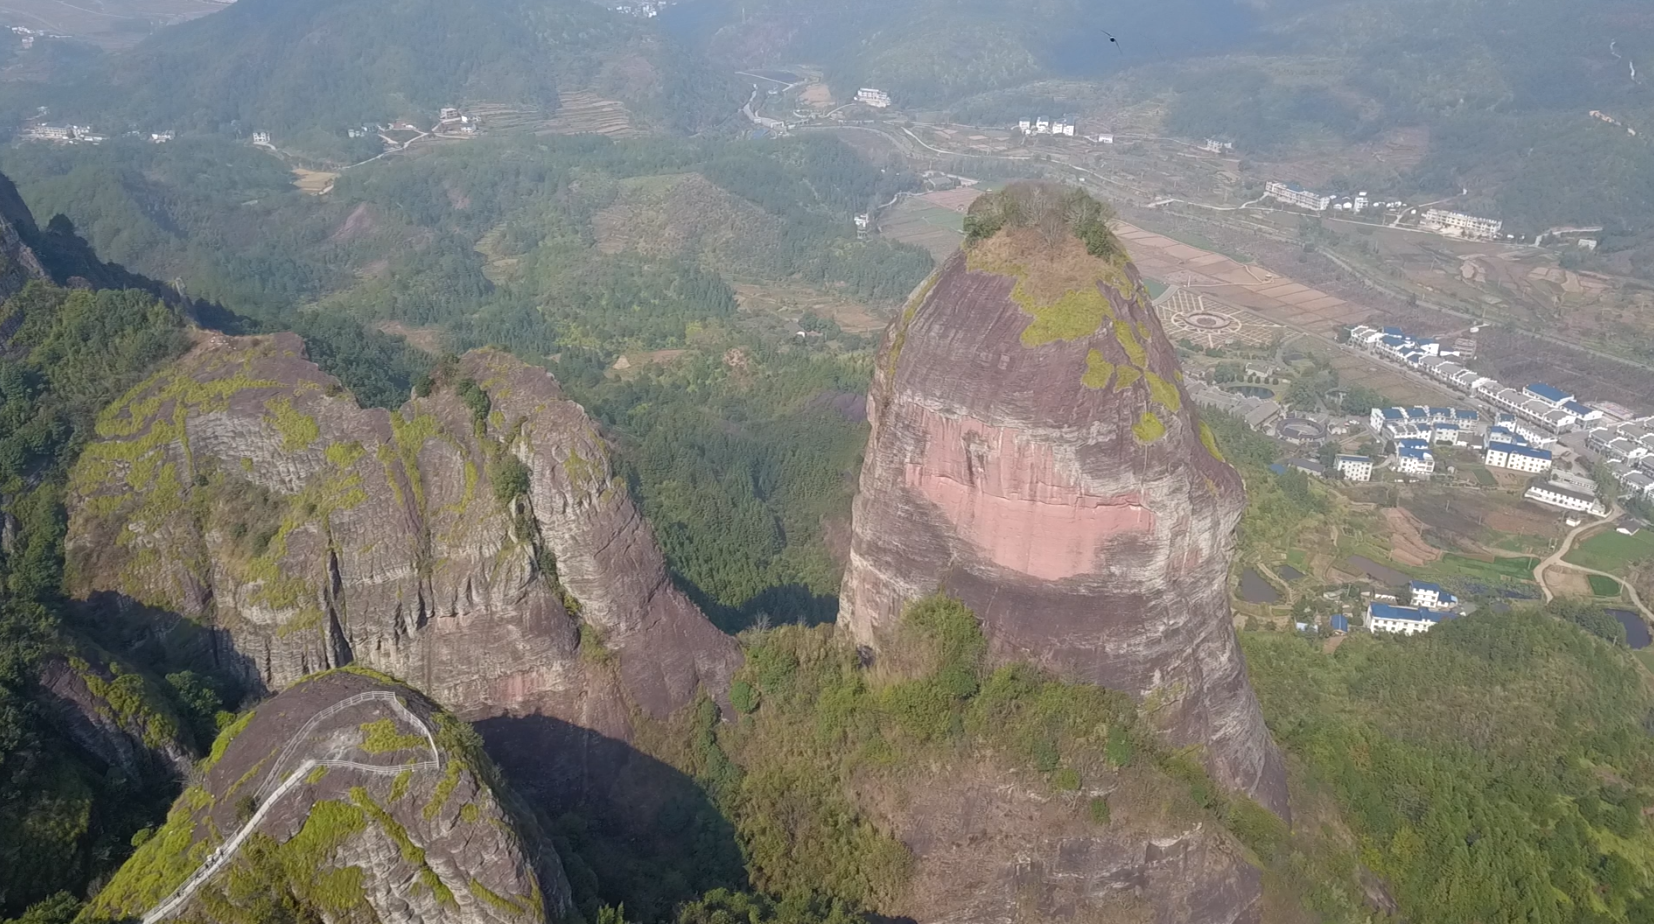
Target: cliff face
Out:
[18,262]
[475,542]
[355,799]
[1034,454]
[115,715]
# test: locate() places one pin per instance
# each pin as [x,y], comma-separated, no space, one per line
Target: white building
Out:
[1458,224]
[1412,459]
[1518,458]
[262,138]
[1105,138]
[1428,596]
[1406,620]
[1295,195]
[1555,495]
[1354,468]
[869,96]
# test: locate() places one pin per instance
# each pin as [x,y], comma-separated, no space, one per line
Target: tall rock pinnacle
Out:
[1034,454]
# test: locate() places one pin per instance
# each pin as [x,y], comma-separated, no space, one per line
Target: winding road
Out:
[1568,546]
[277,785]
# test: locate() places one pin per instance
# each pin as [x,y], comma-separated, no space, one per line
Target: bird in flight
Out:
[1112,39]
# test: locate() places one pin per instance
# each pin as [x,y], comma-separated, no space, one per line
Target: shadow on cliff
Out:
[163,641]
[629,828]
[787,604]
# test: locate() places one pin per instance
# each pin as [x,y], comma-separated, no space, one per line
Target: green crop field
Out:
[1612,551]
[1603,586]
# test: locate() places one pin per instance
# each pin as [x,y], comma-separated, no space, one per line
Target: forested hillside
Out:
[1504,87]
[63,819]
[1494,769]
[308,70]
[742,448]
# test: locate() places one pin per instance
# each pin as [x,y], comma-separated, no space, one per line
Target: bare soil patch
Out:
[1407,544]
[313,182]
[428,339]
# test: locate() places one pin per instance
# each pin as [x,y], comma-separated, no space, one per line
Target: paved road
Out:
[284,784]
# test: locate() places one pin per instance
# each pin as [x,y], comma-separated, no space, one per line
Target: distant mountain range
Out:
[296,66]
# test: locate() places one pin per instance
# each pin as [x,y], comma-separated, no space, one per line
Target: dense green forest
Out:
[743,470]
[1493,769]
[63,820]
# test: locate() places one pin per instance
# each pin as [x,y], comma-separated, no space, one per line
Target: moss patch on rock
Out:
[1210,441]
[298,429]
[1148,428]
[1098,371]
[382,737]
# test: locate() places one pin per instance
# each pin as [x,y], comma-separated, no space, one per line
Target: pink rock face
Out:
[1006,496]
[1088,541]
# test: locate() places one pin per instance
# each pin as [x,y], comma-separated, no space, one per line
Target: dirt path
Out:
[1568,546]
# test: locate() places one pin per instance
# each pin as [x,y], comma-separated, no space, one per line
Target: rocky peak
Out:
[1034,454]
[355,799]
[474,542]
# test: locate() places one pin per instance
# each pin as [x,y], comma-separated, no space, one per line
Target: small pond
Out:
[1636,631]
[1289,574]
[1254,589]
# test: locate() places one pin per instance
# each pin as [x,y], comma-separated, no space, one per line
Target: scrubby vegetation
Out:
[823,732]
[1494,769]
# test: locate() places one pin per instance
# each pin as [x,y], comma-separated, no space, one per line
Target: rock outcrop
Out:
[1034,454]
[355,799]
[114,714]
[474,543]
[18,262]
[996,848]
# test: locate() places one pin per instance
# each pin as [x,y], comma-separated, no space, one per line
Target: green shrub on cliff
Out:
[62,818]
[824,728]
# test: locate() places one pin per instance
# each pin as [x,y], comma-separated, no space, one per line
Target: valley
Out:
[829,463]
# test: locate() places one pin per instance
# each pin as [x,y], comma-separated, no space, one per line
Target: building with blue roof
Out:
[1340,622]
[1549,394]
[1392,332]
[1518,457]
[1406,620]
[1583,411]
[1413,458]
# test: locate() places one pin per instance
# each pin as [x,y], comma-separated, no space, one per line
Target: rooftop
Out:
[1549,392]
[1408,613]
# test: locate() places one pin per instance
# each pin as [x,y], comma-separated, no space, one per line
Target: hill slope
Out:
[288,67]
[345,795]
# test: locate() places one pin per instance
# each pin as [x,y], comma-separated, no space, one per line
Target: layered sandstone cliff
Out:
[474,542]
[1034,454]
[345,798]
